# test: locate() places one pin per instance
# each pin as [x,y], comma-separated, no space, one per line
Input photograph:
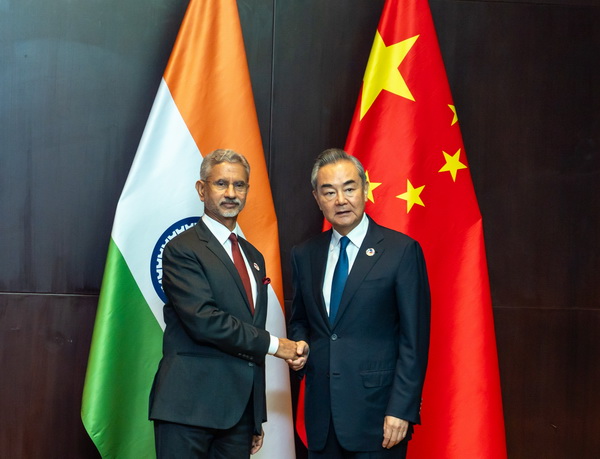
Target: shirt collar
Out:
[356,236]
[220,231]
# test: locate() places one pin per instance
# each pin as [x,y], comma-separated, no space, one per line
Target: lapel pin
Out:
[256,267]
[370,252]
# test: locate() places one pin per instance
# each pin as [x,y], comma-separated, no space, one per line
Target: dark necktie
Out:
[340,274]
[238,261]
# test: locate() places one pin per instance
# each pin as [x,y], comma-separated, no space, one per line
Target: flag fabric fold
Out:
[406,133]
[204,102]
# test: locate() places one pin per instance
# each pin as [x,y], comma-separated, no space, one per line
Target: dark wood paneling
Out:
[76,85]
[550,373]
[320,53]
[525,84]
[44,343]
[256,17]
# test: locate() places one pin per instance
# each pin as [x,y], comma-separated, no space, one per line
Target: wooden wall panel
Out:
[549,373]
[320,54]
[528,99]
[77,81]
[44,343]
[523,80]
[256,17]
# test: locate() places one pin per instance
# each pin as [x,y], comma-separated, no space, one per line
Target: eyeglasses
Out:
[222,185]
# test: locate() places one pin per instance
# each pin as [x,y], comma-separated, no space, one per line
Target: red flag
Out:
[406,133]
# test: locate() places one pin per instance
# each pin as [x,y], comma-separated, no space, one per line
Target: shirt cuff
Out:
[274,345]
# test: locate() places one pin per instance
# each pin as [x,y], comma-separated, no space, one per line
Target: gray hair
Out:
[222,156]
[334,155]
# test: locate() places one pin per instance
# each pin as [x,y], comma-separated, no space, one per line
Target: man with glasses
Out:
[208,396]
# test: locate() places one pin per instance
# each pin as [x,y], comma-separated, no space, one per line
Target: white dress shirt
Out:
[356,236]
[221,233]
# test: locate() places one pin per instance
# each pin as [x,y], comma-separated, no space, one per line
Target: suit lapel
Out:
[368,255]
[216,248]
[259,273]
[318,262]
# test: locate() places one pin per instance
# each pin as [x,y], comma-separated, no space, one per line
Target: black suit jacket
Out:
[371,362]
[213,347]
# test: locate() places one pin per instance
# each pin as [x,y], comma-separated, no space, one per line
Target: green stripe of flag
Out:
[125,350]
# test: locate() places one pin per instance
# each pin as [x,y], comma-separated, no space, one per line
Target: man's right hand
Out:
[287,349]
[302,351]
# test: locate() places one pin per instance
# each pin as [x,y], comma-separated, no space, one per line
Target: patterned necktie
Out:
[238,261]
[340,274]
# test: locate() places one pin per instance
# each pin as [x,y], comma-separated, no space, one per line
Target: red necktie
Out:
[238,261]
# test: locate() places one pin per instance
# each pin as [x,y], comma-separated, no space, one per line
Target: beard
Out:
[230,213]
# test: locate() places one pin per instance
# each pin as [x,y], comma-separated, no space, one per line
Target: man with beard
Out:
[208,396]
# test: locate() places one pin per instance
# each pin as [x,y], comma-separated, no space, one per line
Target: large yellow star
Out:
[455,119]
[412,196]
[372,186]
[382,71]
[452,164]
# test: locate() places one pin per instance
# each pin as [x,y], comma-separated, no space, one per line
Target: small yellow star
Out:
[452,164]
[455,119]
[372,186]
[412,196]
[382,71]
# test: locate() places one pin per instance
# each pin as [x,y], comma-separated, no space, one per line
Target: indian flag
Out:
[204,102]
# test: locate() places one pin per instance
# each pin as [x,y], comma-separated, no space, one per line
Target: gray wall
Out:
[77,80]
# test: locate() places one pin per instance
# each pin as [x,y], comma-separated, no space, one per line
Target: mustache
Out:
[231,201]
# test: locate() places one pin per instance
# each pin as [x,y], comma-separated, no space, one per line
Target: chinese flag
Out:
[405,131]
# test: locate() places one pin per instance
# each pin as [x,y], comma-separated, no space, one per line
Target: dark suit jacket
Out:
[371,362]
[213,347]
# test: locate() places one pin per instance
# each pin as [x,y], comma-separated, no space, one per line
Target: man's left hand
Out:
[394,431]
[257,442]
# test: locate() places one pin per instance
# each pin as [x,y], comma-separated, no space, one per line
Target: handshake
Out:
[295,353]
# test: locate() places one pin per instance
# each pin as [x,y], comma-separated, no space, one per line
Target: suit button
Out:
[250,364]
[334,337]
